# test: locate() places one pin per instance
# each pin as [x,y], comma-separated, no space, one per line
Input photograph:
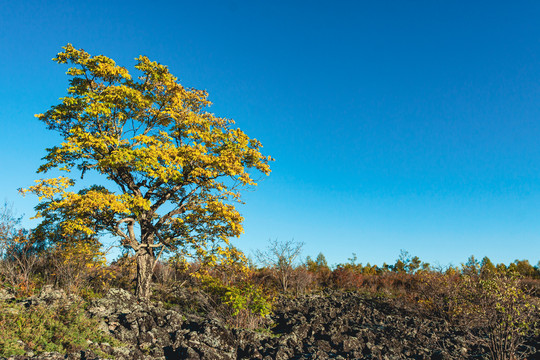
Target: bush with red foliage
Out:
[347,278]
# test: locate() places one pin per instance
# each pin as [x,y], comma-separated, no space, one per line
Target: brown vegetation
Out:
[495,305]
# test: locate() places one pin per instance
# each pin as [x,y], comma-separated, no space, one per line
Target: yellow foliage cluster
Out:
[179,168]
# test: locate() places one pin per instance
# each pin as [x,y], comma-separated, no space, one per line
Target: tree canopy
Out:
[177,169]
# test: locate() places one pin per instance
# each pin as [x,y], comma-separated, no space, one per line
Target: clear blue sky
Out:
[394,124]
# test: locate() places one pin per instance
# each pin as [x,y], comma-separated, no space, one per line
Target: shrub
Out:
[302,280]
[124,270]
[230,290]
[18,253]
[438,294]
[245,304]
[346,277]
[320,269]
[63,328]
[492,307]
[80,265]
[501,311]
[18,263]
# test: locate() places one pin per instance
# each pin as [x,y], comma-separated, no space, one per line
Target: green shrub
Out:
[246,305]
[41,329]
[502,310]
[492,306]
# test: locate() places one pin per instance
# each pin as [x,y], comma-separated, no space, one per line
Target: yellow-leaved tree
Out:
[176,168]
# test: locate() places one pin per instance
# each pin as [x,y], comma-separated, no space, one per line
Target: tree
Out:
[320,268]
[523,268]
[319,264]
[406,263]
[176,169]
[471,267]
[487,268]
[281,256]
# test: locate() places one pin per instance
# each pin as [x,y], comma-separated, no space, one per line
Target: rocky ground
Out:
[335,325]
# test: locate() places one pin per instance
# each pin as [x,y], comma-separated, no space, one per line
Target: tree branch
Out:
[129,240]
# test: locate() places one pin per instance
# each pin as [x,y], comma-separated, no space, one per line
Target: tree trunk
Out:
[145,263]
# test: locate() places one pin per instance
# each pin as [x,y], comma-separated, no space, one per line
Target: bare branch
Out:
[129,240]
[157,258]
